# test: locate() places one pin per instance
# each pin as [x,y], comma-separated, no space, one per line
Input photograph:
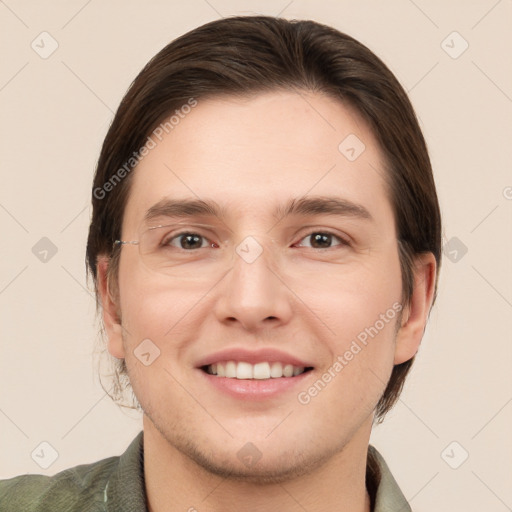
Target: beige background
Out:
[54,115]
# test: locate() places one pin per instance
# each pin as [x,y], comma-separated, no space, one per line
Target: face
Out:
[288,265]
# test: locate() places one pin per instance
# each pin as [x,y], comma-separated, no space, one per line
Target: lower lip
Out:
[254,389]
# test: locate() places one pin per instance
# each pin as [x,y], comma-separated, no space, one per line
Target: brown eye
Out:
[188,241]
[322,240]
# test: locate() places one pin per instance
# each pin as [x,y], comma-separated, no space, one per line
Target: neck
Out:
[175,483]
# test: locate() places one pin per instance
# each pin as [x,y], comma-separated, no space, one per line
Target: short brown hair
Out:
[245,55]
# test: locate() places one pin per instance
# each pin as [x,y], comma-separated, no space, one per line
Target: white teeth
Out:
[276,370]
[244,371]
[261,371]
[288,370]
[231,369]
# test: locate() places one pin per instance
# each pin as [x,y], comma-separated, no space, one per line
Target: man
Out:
[265,246]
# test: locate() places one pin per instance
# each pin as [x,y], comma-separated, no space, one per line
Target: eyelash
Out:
[342,241]
[167,240]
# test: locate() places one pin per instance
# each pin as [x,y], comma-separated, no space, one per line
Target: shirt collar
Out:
[126,491]
[388,497]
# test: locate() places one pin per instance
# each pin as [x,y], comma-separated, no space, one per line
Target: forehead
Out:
[252,154]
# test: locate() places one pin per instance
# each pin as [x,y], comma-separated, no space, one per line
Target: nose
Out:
[253,294]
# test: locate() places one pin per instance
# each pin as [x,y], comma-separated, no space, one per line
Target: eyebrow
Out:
[184,208]
[320,205]
[311,205]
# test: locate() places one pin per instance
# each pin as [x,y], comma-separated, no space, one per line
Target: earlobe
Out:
[111,319]
[415,315]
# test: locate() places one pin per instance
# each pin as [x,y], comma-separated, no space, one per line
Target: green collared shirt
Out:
[116,484]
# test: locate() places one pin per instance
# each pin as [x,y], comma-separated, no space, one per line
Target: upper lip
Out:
[270,355]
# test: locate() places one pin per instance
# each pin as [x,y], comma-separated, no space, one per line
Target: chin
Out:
[251,466]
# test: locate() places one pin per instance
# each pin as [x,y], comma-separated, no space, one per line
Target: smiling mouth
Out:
[258,371]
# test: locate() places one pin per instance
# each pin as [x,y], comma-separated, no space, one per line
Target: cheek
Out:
[151,303]
[361,354]
[157,312]
[349,301]
[156,321]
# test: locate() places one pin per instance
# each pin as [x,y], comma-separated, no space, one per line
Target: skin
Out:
[250,155]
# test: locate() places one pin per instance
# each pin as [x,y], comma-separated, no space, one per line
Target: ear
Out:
[111,318]
[415,315]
